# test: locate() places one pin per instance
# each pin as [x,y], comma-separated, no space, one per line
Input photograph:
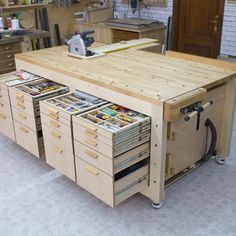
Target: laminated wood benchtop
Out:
[148,76]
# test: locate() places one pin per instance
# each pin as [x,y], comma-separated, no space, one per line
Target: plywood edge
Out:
[172,107]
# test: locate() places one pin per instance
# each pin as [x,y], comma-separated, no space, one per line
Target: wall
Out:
[228,45]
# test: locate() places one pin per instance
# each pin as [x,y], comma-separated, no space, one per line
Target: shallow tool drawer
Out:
[112,129]
[113,190]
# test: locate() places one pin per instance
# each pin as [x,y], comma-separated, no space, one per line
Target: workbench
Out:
[158,86]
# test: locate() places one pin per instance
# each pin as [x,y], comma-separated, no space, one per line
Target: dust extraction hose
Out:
[212,147]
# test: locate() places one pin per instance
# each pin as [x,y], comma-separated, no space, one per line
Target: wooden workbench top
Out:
[141,74]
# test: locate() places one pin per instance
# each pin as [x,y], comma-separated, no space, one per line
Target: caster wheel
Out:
[157,205]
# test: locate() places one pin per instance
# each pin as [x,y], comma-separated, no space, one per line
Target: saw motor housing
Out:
[79,44]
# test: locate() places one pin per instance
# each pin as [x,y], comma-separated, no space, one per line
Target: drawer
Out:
[124,35]
[9,55]
[59,152]
[57,124]
[95,158]
[114,150]
[30,140]
[27,120]
[4,71]
[19,102]
[108,165]
[37,90]
[5,108]
[93,124]
[7,64]
[6,126]
[4,96]
[111,190]
[10,47]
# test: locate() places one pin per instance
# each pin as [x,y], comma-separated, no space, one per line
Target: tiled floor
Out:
[36,200]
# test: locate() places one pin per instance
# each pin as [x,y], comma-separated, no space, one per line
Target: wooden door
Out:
[198,26]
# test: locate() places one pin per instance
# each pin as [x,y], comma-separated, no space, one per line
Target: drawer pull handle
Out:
[55,134]
[91,128]
[91,170]
[1,95]
[23,129]
[9,56]
[22,116]
[2,117]
[7,48]
[91,142]
[91,134]
[1,104]
[57,149]
[19,95]
[20,105]
[53,116]
[91,154]
[20,99]
[54,124]
[10,64]
[53,111]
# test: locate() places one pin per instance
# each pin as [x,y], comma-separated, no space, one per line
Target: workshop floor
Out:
[36,200]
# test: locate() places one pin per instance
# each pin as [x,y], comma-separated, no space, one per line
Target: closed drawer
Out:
[31,122]
[30,140]
[57,124]
[4,96]
[6,126]
[7,64]
[8,55]
[5,108]
[59,152]
[108,165]
[95,158]
[124,35]
[9,47]
[107,188]
[19,102]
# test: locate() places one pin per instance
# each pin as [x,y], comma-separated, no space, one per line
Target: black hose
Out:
[212,147]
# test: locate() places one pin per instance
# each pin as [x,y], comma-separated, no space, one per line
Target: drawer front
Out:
[53,112]
[10,47]
[80,133]
[95,158]
[27,138]
[7,64]
[88,126]
[19,102]
[25,119]
[97,146]
[6,126]
[8,55]
[4,96]
[95,181]
[5,108]
[57,125]
[124,35]
[59,152]
[18,95]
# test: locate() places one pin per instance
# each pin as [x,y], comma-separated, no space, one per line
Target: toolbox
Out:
[26,112]
[6,81]
[56,118]
[112,152]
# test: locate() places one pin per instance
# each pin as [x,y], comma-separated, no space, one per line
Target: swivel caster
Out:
[219,160]
[157,205]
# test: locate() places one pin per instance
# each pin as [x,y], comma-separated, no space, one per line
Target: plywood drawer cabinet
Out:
[7,81]
[26,111]
[7,52]
[56,116]
[112,152]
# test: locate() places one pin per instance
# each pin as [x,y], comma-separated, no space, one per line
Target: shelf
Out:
[30,6]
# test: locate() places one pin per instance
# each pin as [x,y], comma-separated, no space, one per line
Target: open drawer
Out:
[112,129]
[113,190]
